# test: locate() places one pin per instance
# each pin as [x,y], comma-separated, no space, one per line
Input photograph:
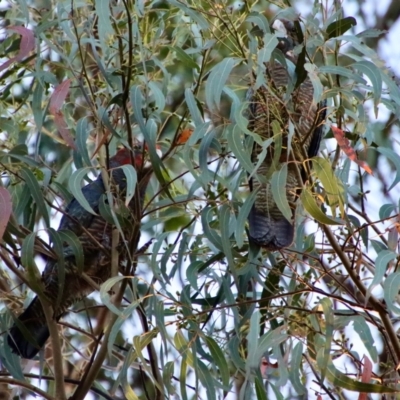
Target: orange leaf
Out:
[344,144]
[184,136]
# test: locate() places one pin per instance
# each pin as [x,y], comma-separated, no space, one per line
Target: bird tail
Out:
[29,332]
[268,232]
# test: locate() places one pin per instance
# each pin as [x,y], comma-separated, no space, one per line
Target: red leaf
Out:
[59,95]
[366,376]
[56,102]
[5,209]
[26,46]
[344,144]
[63,130]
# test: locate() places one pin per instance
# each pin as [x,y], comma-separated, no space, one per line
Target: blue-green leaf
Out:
[295,368]
[235,142]
[75,187]
[381,262]
[131,181]
[362,328]
[216,82]
[219,359]
[264,55]
[391,288]
[260,20]
[81,137]
[193,108]
[374,75]
[278,189]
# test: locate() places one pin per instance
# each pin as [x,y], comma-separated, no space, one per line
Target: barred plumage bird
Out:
[30,331]
[272,110]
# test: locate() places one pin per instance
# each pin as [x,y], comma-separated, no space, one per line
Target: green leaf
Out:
[327,307]
[391,288]
[28,261]
[158,96]
[219,359]
[386,211]
[260,20]
[338,70]
[364,332]
[75,187]
[210,234]
[37,105]
[193,108]
[185,58]
[224,224]
[341,26]
[340,380]
[329,180]
[149,134]
[235,142]
[242,218]
[316,82]
[76,246]
[374,75]
[192,13]
[131,181]
[264,55]
[216,82]
[253,355]
[312,208]
[36,193]
[278,188]
[104,23]
[381,263]
[82,135]
[105,297]
[295,368]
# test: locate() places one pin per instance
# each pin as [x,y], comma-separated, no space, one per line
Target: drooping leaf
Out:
[381,263]
[312,208]
[36,193]
[364,332]
[75,187]
[235,141]
[260,20]
[278,188]
[106,31]
[295,369]
[27,44]
[391,287]
[216,82]
[5,210]
[193,108]
[344,144]
[56,102]
[316,82]
[374,74]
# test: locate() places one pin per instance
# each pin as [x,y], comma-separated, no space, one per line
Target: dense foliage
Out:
[200,313]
